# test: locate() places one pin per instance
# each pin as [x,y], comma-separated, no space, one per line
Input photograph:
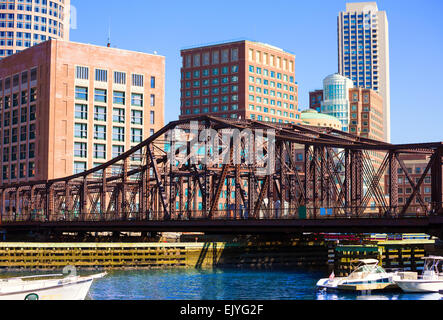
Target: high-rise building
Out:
[25,23]
[315,100]
[359,110]
[242,79]
[366,114]
[336,98]
[363,52]
[67,107]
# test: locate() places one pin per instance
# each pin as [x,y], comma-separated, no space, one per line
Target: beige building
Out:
[314,118]
[363,51]
[67,107]
[24,24]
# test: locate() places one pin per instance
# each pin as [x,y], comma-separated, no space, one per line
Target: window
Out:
[136,135]
[99,132]
[137,100]
[82,73]
[80,150]
[118,115]
[31,150]
[99,151]
[136,117]
[101,75]
[118,134]
[81,130]
[152,118]
[100,95]
[137,80]
[81,93]
[119,97]
[79,167]
[99,113]
[153,82]
[117,151]
[152,100]
[119,77]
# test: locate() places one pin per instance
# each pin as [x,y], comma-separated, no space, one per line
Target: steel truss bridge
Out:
[336,186]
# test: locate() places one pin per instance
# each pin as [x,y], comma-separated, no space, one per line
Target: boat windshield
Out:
[367,269]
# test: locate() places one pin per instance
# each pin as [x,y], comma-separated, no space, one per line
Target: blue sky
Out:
[306,28]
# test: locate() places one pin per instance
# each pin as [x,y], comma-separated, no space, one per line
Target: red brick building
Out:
[67,107]
[415,165]
[239,80]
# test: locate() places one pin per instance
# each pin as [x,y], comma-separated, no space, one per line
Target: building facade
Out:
[336,98]
[416,166]
[314,118]
[25,23]
[67,107]
[315,100]
[363,51]
[239,80]
[366,114]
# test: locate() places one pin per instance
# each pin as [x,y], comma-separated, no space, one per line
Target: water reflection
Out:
[227,285]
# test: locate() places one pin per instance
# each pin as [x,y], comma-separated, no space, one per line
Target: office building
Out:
[25,23]
[315,100]
[67,107]
[239,80]
[363,51]
[359,110]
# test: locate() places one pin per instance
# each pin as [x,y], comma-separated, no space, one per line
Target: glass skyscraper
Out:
[363,50]
[336,98]
[25,23]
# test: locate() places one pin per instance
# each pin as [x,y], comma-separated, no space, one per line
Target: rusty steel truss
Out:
[336,177]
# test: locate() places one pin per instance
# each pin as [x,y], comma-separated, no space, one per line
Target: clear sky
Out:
[306,28]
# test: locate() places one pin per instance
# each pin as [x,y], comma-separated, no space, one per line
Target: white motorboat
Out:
[430,281]
[367,276]
[47,287]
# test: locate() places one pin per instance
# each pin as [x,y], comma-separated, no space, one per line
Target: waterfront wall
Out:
[45,256]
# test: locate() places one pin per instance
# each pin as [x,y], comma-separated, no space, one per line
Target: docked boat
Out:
[367,276]
[47,287]
[430,281]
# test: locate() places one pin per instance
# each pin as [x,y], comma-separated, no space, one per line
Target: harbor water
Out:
[226,284]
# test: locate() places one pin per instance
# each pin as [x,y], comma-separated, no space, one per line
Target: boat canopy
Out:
[367,261]
[433,258]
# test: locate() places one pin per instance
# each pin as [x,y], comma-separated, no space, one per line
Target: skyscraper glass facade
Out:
[25,23]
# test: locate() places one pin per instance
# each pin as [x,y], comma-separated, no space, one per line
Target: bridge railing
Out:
[298,213]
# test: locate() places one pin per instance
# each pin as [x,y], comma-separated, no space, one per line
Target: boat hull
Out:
[412,286]
[70,291]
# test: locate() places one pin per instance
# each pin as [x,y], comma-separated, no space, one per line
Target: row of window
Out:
[213,57]
[28,26]
[268,119]
[15,80]
[118,133]
[271,74]
[13,135]
[13,153]
[99,151]
[206,73]
[272,84]
[213,91]
[24,171]
[101,75]
[271,60]
[119,97]
[100,114]
[214,82]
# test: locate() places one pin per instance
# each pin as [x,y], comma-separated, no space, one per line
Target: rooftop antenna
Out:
[109,33]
